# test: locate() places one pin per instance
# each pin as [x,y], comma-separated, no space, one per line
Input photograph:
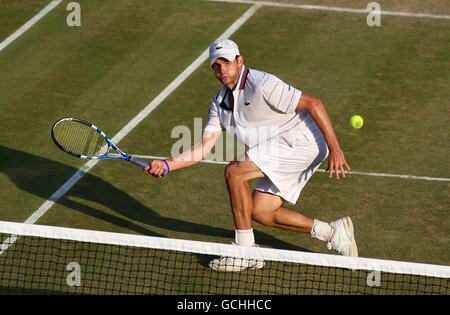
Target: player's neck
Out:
[231,86]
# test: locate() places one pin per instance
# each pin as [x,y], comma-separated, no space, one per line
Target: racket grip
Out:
[143,164]
[139,162]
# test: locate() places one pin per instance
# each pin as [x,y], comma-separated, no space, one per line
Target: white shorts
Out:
[289,160]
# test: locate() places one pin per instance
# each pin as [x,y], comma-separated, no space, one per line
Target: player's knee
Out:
[231,171]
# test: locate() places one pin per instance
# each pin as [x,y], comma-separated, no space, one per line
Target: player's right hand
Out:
[157,168]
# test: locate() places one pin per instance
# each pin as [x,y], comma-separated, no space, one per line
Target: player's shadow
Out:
[42,177]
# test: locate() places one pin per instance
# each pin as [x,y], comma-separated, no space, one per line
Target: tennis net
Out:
[53,260]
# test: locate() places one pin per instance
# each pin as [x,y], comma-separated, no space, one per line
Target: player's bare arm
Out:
[197,152]
[336,159]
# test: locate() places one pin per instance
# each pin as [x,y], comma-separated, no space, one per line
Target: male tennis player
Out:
[288,133]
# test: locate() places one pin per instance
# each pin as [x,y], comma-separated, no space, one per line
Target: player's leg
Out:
[237,175]
[268,210]
[264,208]
[339,235]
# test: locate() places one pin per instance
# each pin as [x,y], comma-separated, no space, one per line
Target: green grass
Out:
[13,14]
[126,52]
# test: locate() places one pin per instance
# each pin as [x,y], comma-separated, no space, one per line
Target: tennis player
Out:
[288,133]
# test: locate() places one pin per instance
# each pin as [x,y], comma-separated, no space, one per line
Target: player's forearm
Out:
[319,114]
[186,159]
[195,154]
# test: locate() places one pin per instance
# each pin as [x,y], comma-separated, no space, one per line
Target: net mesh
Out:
[76,263]
[78,138]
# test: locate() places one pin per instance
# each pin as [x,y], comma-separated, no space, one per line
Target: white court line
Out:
[29,24]
[131,125]
[334,9]
[441,179]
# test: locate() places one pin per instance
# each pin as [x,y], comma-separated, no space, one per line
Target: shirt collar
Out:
[242,78]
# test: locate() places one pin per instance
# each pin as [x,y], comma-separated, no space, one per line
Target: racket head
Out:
[79,138]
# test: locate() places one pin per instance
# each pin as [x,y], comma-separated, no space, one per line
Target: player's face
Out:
[227,71]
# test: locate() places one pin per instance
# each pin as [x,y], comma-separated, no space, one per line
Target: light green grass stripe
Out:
[29,24]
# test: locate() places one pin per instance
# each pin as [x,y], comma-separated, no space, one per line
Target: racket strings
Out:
[80,139]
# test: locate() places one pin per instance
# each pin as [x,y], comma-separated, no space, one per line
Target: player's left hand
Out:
[336,163]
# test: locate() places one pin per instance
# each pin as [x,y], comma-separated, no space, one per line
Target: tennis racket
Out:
[86,141]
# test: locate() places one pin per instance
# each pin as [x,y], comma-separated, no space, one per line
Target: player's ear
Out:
[240,60]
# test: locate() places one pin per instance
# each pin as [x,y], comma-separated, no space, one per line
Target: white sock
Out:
[321,230]
[245,237]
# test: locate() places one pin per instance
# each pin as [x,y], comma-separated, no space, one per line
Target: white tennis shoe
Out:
[343,239]
[232,264]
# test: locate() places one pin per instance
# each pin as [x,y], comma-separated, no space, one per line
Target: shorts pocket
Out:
[302,139]
[288,139]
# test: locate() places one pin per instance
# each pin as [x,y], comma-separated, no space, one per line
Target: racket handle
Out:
[143,164]
[139,162]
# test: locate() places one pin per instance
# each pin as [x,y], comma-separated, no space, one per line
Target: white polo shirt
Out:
[264,106]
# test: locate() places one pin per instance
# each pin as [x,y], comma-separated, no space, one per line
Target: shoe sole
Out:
[238,269]
[354,248]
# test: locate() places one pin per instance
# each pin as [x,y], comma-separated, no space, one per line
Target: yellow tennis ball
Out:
[356,121]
